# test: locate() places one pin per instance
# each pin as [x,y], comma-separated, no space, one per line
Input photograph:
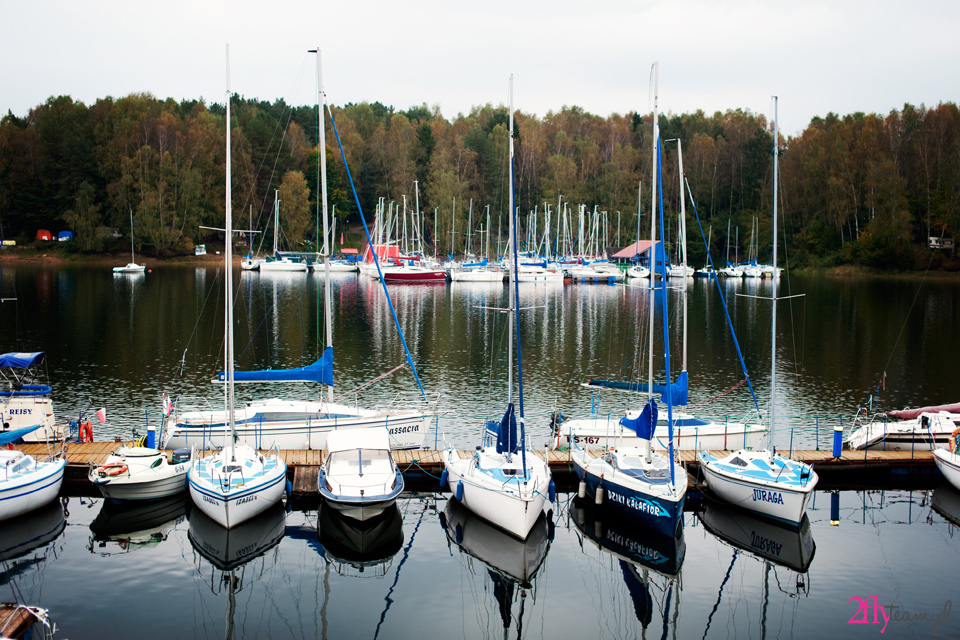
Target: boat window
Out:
[738,462]
[512,472]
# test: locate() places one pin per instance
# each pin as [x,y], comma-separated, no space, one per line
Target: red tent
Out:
[43,234]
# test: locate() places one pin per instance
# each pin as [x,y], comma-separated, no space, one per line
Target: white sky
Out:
[818,56]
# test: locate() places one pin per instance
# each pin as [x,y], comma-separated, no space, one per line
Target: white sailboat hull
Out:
[603,432]
[949,465]
[230,499]
[26,491]
[513,506]
[777,500]
[478,275]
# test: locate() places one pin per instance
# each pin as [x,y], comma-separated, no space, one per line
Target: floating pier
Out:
[872,469]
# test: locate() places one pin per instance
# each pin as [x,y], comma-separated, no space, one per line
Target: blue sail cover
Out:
[320,371]
[21,359]
[678,390]
[507,432]
[644,424]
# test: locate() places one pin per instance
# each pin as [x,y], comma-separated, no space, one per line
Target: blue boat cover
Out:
[319,371]
[644,424]
[20,359]
[9,437]
[506,431]
[679,390]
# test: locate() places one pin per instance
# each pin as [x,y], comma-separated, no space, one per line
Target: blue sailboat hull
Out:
[654,513]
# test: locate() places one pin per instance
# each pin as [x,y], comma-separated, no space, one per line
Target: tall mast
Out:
[322,152]
[683,263]
[511,240]
[653,240]
[773,297]
[228,280]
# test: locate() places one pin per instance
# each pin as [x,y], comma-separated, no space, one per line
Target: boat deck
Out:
[852,469]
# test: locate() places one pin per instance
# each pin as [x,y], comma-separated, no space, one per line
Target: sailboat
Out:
[238,482]
[649,487]
[502,482]
[132,267]
[948,460]
[278,262]
[298,424]
[763,480]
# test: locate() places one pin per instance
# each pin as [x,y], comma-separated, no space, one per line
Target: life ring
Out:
[112,469]
[86,432]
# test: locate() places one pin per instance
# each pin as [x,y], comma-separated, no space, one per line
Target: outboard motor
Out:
[180,455]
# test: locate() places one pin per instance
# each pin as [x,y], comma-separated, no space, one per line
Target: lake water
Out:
[163,570]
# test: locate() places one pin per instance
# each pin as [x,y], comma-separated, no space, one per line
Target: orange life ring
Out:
[112,469]
[86,432]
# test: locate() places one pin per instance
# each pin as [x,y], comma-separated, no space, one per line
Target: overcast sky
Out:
[818,56]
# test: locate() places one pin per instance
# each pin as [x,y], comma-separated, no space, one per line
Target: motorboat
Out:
[139,473]
[359,477]
[924,431]
[25,404]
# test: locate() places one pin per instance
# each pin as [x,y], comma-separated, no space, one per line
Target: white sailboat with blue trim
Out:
[649,487]
[764,481]
[238,482]
[503,482]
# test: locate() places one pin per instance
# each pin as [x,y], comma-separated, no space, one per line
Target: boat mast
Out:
[228,281]
[773,295]
[132,254]
[322,152]
[683,263]
[653,246]
[515,304]
[511,240]
[276,220]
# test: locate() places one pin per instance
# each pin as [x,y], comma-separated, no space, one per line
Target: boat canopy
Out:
[912,414]
[678,390]
[505,432]
[320,371]
[350,439]
[9,437]
[646,423]
[22,360]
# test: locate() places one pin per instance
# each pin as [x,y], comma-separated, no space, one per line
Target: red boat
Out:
[413,273]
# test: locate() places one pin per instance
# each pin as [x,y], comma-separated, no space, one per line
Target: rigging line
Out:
[722,301]
[720,592]
[376,258]
[396,576]
[907,318]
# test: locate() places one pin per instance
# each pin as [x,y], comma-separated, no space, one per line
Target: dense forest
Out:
[862,188]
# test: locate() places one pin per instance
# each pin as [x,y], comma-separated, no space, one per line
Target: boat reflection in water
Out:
[790,547]
[230,550]
[362,548]
[512,564]
[649,561]
[126,527]
[19,536]
[946,502]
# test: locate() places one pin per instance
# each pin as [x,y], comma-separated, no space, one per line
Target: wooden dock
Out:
[422,468]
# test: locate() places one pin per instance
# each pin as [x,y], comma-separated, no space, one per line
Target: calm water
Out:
[164,571]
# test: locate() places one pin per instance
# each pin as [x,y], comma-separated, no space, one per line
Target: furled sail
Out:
[320,371]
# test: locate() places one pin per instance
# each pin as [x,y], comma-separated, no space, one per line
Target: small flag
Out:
[167,405]
[102,415]
[341,239]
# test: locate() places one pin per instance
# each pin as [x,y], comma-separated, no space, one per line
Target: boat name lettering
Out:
[635,547]
[765,544]
[644,506]
[20,412]
[246,499]
[415,427]
[587,439]
[760,495]
[178,468]
[209,499]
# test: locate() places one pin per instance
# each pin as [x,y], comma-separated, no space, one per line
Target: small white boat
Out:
[596,271]
[139,473]
[478,274]
[638,271]
[250,263]
[928,431]
[283,264]
[752,271]
[130,268]
[731,271]
[359,477]
[26,484]
[25,405]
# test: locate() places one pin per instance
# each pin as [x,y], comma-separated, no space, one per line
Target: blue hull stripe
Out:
[52,479]
[228,497]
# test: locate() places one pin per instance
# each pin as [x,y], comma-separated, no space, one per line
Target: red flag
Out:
[102,415]
[341,239]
